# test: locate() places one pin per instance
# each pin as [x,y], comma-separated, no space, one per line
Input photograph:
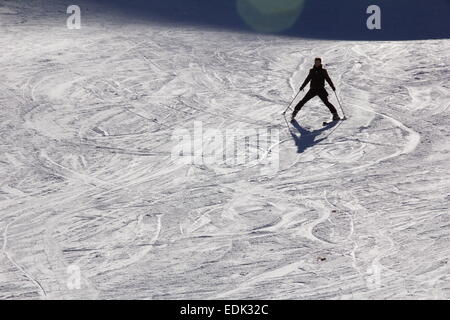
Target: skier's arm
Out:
[307,80]
[327,77]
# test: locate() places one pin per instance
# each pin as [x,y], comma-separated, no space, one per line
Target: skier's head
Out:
[317,62]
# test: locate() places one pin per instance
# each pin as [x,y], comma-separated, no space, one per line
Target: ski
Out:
[325,123]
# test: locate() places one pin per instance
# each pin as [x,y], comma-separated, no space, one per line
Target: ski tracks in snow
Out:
[97,187]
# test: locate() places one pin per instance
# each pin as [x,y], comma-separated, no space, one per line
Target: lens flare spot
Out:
[270,15]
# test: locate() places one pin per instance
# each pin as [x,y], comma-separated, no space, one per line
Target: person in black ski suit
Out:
[317,76]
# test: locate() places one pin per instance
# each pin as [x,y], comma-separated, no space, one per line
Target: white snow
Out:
[87,118]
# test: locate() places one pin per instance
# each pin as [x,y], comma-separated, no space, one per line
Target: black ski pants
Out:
[323,95]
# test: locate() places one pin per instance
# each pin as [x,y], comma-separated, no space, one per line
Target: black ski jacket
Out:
[317,76]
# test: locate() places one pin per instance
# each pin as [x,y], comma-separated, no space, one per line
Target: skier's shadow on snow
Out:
[306,138]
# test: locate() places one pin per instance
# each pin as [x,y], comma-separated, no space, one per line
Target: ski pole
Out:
[340,105]
[289,106]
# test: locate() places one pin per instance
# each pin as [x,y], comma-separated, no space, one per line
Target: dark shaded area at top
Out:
[323,19]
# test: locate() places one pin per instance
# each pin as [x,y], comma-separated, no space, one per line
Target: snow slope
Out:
[86,124]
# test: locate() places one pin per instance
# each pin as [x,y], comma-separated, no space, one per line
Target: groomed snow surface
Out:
[89,188]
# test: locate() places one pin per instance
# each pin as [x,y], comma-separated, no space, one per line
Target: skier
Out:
[317,75]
